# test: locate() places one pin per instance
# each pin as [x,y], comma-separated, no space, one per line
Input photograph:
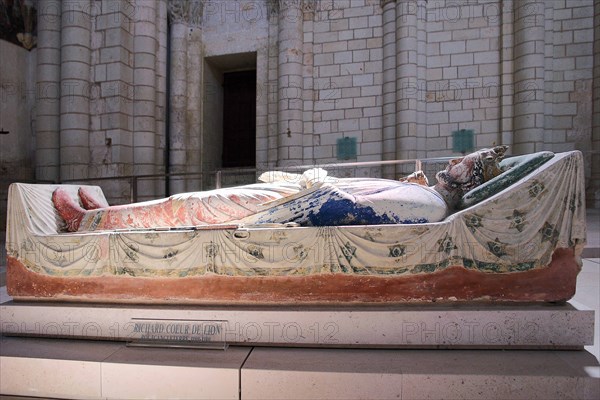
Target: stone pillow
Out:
[514,169]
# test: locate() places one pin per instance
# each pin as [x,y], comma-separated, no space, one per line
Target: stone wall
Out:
[106,61]
[593,191]
[17,117]
[128,73]
[463,74]
[397,76]
[347,57]
[17,111]
[401,76]
[518,76]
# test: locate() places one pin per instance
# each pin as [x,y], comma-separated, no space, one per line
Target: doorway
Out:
[239,119]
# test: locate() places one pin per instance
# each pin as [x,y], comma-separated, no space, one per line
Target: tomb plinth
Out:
[525,326]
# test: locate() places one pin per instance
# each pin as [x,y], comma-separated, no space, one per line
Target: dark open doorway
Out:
[239,119]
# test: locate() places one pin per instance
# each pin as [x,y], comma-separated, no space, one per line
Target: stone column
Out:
[272,87]
[506,134]
[48,85]
[290,82]
[75,89]
[144,80]
[420,148]
[194,108]
[185,17]
[389,85]
[529,66]
[160,94]
[309,140]
[406,78]
[593,192]
[112,109]
[177,111]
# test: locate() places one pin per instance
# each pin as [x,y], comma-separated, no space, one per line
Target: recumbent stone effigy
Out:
[491,229]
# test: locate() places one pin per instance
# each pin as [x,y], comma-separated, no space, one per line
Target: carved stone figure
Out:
[334,202]
[516,237]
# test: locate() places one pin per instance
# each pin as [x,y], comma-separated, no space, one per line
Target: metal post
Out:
[218,179]
[133,194]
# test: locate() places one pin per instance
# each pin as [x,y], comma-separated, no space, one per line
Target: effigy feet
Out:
[88,201]
[68,209]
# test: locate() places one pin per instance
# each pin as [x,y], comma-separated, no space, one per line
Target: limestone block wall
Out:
[347,46]
[75,83]
[128,109]
[47,147]
[463,73]
[397,76]
[17,117]
[593,190]
[17,111]
[102,83]
[572,70]
[401,76]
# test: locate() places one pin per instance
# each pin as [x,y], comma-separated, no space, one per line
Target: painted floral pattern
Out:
[496,248]
[549,233]
[446,244]
[536,188]
[517,220]
[473,222]
[397,251]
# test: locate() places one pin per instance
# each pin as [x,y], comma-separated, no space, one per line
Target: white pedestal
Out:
[539,326]
[56,368]
[419,374]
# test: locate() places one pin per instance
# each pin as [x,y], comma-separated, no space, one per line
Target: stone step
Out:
[54,368]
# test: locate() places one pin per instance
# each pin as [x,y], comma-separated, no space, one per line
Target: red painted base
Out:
[554,283]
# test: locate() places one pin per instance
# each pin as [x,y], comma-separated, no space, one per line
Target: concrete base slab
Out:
[55,368]
[161,373]
[588,293]
[276,373]
[545,326]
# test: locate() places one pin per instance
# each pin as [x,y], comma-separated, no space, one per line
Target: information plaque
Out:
[177,333]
